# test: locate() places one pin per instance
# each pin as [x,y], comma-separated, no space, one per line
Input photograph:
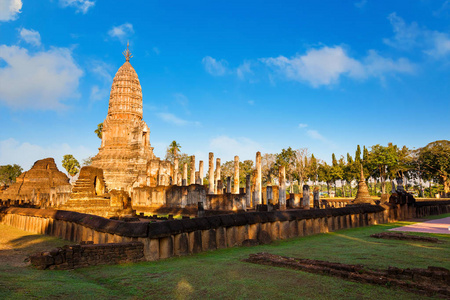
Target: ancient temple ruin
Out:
[43,185]
[125,154]
[125,175]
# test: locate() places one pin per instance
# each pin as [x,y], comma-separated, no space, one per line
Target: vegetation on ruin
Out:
[221,274]
[87,161]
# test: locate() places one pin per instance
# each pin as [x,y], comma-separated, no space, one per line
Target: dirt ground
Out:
[16,245]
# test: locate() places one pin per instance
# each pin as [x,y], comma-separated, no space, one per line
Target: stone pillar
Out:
[179,179]
[236,175]
[211,173]
[219,187]
[185,182]
[306,201]
[269,194]
[258,179]
[282,190]
[197,177]
[175,171]
[192,169]
[217,178]
[200,171]
[228,185]
[248,191]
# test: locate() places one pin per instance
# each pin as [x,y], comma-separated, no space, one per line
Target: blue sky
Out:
[229,77]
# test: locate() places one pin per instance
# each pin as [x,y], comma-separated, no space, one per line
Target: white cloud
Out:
[226,148]
[244,70]
[121,32]
[171,118]
[410,36]
[326,65]
[405,36]
[440,44]
[156,50]
[80,5]
[378,66]
[102,70]
[98,93]
[9,9]
[314,134]
[26,154]
[214,67]
[40,80]
[318,66]
[30,36]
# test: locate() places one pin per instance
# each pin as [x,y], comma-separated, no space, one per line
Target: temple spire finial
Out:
[127,53]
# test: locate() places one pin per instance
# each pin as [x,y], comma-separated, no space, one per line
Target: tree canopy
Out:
[71,165]
[173,151]
[99,130]
[9,173]
[434,161]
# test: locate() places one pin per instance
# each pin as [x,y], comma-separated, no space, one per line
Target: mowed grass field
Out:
[221,274]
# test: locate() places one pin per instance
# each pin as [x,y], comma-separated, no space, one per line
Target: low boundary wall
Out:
[182,237]
[78,256]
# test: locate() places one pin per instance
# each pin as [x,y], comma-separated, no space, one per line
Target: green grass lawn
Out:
[221,274]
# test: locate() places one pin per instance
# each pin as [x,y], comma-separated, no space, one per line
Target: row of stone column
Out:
[216,186]
[215,183]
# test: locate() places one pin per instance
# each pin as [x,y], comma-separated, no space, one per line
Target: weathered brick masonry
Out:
[78,256]
[182,237]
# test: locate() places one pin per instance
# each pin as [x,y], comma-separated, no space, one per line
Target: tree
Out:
[87,161]
[287,158]
[99,130]
[184,158]
[351,171]
[358,154]
[405,163]
[268,168]
[434,162]
[324,174]
[381,161]
[71,165]
[301,162]
[172,151]
[245,168]
[336,171]
[312,169]
[9,173]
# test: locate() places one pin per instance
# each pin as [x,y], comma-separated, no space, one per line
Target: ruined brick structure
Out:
[362,195]
[89,195]
[125,155]
[42,185]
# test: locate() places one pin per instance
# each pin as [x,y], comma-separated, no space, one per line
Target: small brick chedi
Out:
[125,154]
[362,195]
[43,185]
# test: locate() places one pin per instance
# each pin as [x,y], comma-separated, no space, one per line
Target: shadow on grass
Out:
[17,245]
